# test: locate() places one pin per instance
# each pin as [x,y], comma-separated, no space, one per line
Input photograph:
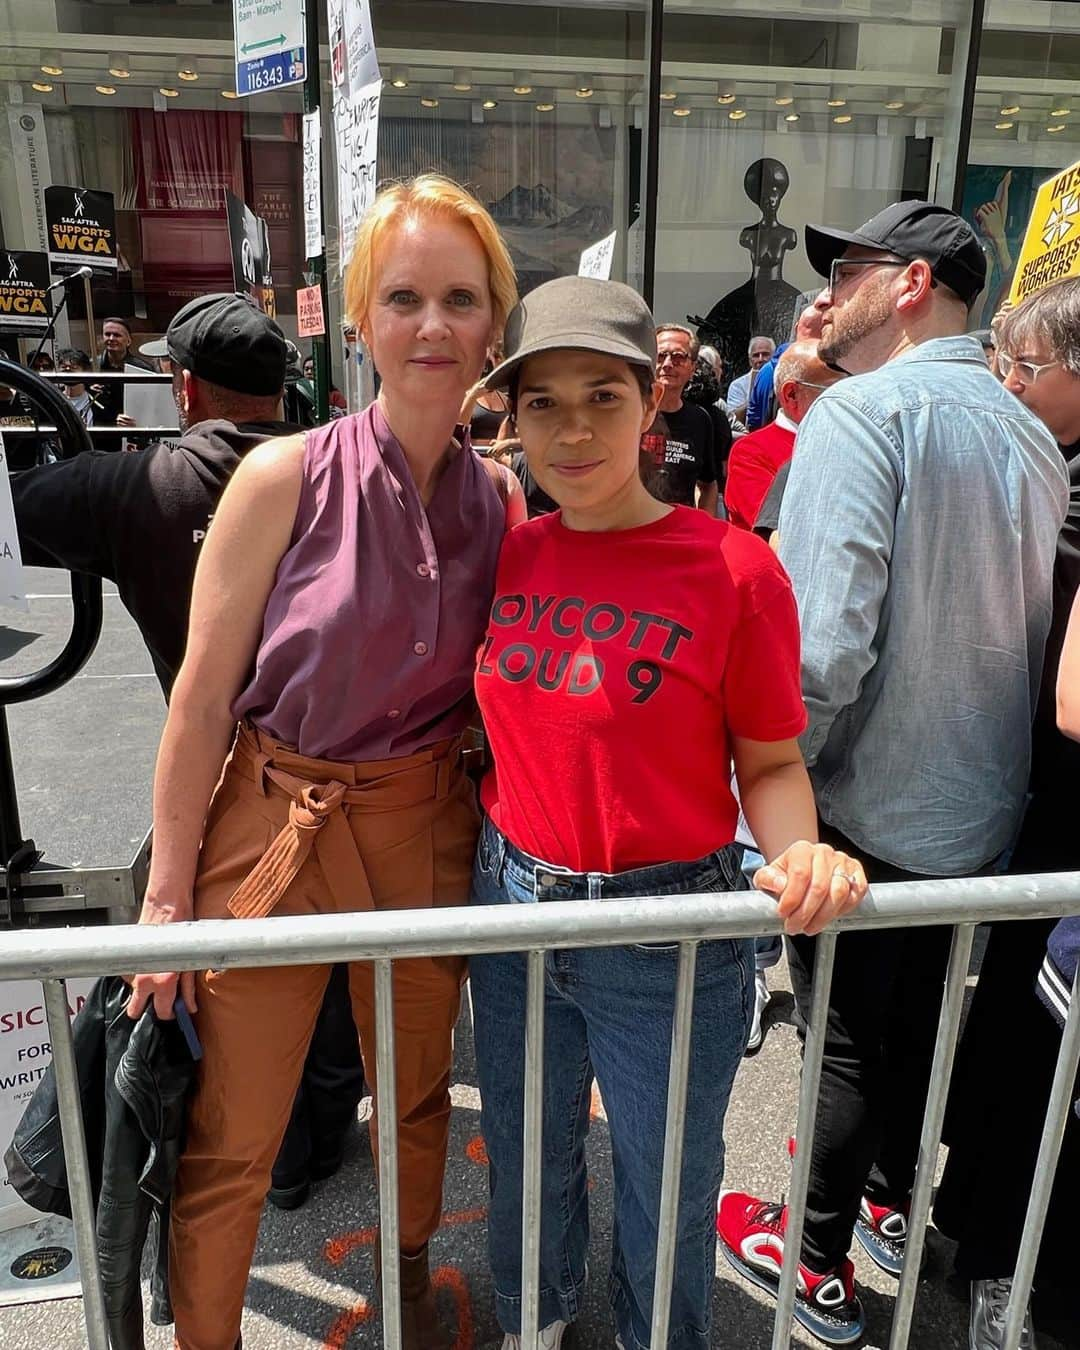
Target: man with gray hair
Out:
[678,451]
[756,459]
[760,352]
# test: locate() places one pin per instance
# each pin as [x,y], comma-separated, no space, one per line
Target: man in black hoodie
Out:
[139,520]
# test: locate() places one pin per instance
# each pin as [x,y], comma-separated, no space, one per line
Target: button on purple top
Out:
[371,630]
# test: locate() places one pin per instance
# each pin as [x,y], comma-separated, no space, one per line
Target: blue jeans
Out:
[608,1015]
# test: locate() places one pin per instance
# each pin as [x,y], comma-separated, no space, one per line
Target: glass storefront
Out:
[767,116]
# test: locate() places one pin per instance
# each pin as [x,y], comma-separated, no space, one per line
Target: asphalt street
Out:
[84,761]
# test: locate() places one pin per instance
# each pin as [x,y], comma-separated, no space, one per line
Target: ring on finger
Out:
[849,877]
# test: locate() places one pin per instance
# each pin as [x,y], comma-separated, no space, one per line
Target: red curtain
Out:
[185,160]
[184,163]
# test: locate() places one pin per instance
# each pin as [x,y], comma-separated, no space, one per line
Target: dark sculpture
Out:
[763,304]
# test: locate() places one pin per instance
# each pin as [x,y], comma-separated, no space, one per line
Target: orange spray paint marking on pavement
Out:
[476,1151]
[346,1324]
[449,1277]
[338,1248]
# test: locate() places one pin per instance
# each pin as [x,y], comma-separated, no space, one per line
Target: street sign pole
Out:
[316,262]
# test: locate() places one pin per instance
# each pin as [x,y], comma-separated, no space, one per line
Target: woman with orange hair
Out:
[339,601]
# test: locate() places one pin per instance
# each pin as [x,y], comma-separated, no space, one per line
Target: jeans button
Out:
[546,879]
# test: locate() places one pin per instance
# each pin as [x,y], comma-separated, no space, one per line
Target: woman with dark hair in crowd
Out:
[1006,1059]
[615,619]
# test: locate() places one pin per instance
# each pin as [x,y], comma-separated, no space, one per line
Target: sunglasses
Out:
[677,359]
[841,268]
[1026,371]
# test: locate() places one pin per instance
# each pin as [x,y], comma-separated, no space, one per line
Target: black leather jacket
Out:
[134,1079]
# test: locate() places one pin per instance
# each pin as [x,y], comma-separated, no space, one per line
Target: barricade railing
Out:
[381,938]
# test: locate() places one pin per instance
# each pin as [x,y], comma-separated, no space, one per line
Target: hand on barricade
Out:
[814,884]
[161,987]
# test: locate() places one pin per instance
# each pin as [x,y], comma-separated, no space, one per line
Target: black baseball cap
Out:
[582,314]
[911,230]
[225,340]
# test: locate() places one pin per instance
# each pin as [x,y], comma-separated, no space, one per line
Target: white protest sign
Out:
[313,229]
[269,41]
[357,133]
[12,581]
[25,1054]
[149,405]
[360,53]
[597,259]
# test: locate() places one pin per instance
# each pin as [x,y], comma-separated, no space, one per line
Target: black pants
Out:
[330,1091]
[879,1040]
[997,1104]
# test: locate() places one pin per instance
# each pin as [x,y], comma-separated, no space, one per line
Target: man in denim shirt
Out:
[919,527]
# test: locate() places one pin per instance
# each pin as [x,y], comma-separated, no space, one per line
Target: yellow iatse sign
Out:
[1051,250]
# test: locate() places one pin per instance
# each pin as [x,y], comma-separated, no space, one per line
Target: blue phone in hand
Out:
[187,1027]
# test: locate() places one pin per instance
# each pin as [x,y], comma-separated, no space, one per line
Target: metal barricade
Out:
[536,929]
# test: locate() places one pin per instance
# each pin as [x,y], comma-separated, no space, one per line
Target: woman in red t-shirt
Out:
[636,652]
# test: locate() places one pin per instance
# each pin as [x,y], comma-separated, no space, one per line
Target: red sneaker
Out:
[882,1234]
[751,1235]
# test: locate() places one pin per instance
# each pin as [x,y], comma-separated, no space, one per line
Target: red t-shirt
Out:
[754,462]
[617,668]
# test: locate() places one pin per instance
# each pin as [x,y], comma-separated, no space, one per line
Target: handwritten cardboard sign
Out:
[356,117]
[597,259]
[310,320]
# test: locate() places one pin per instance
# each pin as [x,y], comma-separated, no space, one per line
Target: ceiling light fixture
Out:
[785,94]
[105,88]
[1059,126]
[166,92]
[725,92]
[523,83]
[545,101]
[462,80]
[1004,126]
[42,86]
[668,95]
[837,97]
[1009,107]
[120,66]
[894,99]
[428,99]
[229,93]
[489,104]
[842,120]
[791,117]
[51,63]
[583,91]
[681,111]
[1060,112]
[399,77]
[737,114]
[189,71]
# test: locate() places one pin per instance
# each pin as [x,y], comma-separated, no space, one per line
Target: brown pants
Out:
[394,834]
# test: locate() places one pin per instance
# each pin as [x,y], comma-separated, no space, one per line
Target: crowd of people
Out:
[805,636]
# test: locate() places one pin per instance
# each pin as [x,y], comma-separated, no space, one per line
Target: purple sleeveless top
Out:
[378,607]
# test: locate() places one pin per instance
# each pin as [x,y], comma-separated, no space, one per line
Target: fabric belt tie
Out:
[314,808]
[318,819]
